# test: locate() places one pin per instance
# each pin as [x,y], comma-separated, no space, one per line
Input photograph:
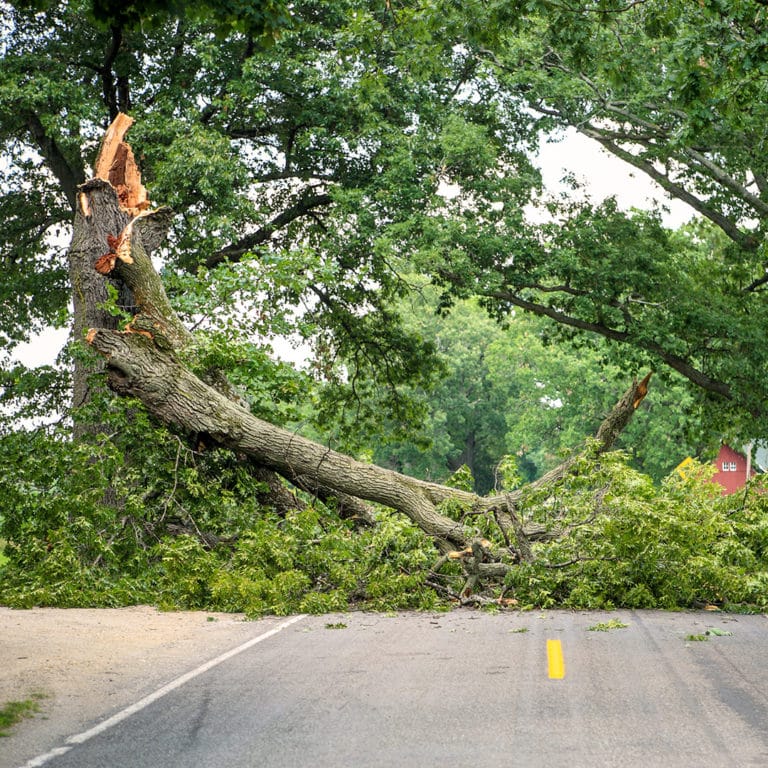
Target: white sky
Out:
[603,174]
[606,175]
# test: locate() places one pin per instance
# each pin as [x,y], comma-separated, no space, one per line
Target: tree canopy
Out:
[676,91]
[322,164]
[331,146]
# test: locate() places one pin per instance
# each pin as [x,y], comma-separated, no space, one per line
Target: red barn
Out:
[731,470]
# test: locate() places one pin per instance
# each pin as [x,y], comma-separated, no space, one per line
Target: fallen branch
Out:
[143,361]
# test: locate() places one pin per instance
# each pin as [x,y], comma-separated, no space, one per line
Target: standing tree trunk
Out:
[97,222]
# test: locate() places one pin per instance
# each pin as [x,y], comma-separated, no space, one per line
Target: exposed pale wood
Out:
[642,391]
[117,165]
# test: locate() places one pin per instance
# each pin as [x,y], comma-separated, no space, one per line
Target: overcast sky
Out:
[604,175]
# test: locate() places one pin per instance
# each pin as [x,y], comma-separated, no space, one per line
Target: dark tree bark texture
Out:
[98,222]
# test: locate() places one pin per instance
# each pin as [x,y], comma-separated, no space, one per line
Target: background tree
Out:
[508,390]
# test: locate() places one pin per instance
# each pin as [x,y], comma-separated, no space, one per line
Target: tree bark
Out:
[98,222]
[96,218]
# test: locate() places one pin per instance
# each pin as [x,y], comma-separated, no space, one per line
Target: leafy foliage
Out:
[632,545]
[672,89]
[187,530]
[313,172]
[507,391]
[607,626]
[259,17]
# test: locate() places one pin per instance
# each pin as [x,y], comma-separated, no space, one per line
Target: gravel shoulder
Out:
[88,664]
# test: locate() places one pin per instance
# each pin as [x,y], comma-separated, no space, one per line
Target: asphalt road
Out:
[459,689]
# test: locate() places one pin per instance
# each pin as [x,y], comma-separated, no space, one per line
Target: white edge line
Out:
[79,738]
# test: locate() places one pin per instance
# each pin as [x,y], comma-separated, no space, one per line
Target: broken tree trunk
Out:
[143,361]
[98,222]
[112,224]
[117,165]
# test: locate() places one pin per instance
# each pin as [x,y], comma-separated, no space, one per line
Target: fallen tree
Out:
[149,359]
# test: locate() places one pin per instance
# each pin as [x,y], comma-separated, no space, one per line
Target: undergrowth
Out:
[86,527]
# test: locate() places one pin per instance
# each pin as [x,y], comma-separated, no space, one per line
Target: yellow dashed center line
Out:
[555,660]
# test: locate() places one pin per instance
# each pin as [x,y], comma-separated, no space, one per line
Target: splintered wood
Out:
[117,165]
[641,391]
[119,248]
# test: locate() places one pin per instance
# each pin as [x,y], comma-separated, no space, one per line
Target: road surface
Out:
[459,689]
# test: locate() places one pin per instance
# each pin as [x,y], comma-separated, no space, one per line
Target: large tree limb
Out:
[143,361]
[744,239]
[138,367]
[677,363]
[234,252]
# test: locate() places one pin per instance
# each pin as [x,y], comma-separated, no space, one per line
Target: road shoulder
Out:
[89,663]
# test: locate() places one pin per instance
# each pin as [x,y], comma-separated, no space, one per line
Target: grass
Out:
[711,632]
[14,712]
